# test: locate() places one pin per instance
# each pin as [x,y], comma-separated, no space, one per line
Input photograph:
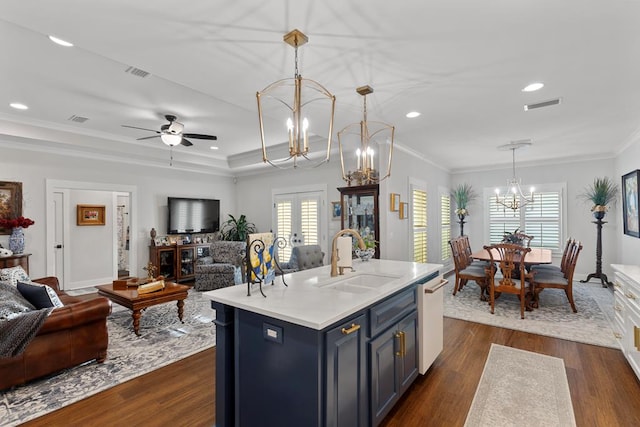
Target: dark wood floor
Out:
[604,389]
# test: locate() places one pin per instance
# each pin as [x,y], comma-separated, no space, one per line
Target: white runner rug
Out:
[521,388]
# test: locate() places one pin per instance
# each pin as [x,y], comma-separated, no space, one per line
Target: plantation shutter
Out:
[445,226]
[419,207]
[501,220]
[309,218]
[284,224]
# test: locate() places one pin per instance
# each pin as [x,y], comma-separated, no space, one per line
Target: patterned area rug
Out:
[521,388]
[590,325]
[163,340]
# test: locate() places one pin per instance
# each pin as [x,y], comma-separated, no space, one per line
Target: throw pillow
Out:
[13,275]
[41,296]
[12,303]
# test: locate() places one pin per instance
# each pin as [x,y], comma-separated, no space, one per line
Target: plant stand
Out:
[599,274]
[461,222]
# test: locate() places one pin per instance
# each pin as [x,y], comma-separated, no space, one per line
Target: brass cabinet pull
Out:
[636,337]
[353,328]
[403,342]
[399,338]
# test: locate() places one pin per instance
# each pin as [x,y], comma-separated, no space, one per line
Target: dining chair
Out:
[511,261]
[545,280]
[525,239]
[550,268]
[464,242]
[465,272]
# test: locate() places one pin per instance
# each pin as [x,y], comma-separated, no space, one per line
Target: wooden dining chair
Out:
[511,261]
[557,269]
[525,239]
[465,272]
[545,280]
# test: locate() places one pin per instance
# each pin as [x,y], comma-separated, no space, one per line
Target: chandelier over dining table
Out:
[296,117]
[365,145]
[514,198]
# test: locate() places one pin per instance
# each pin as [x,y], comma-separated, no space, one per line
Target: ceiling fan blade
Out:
[200,136]
[186,142]
[136,127]
[147,137]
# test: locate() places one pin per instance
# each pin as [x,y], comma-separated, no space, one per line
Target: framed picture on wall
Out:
[91,215]
[10,202]
[630,202]
[336,210]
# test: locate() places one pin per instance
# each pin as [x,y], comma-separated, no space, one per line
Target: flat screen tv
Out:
[188,216]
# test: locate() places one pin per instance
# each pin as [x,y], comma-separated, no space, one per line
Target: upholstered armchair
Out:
[224,267]
[302,258]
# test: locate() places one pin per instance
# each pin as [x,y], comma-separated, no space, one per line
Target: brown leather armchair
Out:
[71,335]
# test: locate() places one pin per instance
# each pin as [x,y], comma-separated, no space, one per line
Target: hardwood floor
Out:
[604,389]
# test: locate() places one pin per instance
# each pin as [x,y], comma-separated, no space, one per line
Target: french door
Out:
[297,219]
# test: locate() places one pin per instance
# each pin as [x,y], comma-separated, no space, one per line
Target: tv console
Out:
[177,262]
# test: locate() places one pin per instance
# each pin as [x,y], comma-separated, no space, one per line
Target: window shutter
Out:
[445,226]
[309,217]
[419,206]
[284,218]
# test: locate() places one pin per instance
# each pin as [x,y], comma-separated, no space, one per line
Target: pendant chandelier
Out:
[514,198]
[296,117]
[364,145]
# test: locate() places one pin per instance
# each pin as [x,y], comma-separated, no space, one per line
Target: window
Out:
[542,219]
[297,220]
[419,223]
[445,225]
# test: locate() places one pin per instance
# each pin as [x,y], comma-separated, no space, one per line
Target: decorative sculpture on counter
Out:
[151,270]
[261,259]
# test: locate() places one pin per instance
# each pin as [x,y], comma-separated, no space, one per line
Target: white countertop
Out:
[310,301]
[631,271]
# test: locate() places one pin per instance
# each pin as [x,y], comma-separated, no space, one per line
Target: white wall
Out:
[153,185]
[628,246]
[577,177]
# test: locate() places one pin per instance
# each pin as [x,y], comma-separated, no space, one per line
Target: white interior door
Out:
[297,219]
[58,246]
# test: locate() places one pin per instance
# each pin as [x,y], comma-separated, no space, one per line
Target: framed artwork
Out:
[404,210]
[394,202]
[630,202]
[336,210]
[91,215]
[10,202]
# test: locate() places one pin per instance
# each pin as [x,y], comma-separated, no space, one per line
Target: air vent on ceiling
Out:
[136,72]
[77,119]
[542,104]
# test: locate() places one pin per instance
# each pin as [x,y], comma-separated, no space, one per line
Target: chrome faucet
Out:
[334,250]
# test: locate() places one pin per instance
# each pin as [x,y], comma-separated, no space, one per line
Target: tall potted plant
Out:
[237,229]
[601,193]
[463,195]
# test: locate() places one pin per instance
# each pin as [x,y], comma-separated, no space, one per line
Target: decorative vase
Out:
[16,240]
[365,254]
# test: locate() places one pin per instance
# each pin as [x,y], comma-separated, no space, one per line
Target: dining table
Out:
[535,257]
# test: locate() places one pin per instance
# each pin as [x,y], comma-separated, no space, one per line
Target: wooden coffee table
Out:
[135,302]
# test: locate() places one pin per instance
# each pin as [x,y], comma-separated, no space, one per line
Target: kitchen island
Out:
[322,351]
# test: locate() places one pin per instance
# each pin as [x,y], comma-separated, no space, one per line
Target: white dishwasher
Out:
[430,319]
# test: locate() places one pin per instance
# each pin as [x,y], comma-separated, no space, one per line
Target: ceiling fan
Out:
[172,133]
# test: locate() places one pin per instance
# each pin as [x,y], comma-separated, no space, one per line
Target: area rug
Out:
[521,388]
[554,318]
[163,340]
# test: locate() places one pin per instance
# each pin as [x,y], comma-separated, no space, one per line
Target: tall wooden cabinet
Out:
[360,210]
[177,262]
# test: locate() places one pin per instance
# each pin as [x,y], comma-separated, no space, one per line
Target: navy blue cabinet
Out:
[346,375]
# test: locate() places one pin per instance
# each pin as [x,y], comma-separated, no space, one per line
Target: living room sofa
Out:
[71,335]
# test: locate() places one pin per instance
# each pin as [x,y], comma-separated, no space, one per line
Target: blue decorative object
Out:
[365,254]
[16,240]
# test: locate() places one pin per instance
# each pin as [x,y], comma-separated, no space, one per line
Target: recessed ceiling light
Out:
[533,87]
[413,114]
[213,147]
[60,41]
[18,106]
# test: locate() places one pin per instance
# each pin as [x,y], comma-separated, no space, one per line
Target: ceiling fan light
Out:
[170,139]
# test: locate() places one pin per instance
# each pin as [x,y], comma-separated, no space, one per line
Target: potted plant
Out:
[463,195]
[601,193]
[237,229]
